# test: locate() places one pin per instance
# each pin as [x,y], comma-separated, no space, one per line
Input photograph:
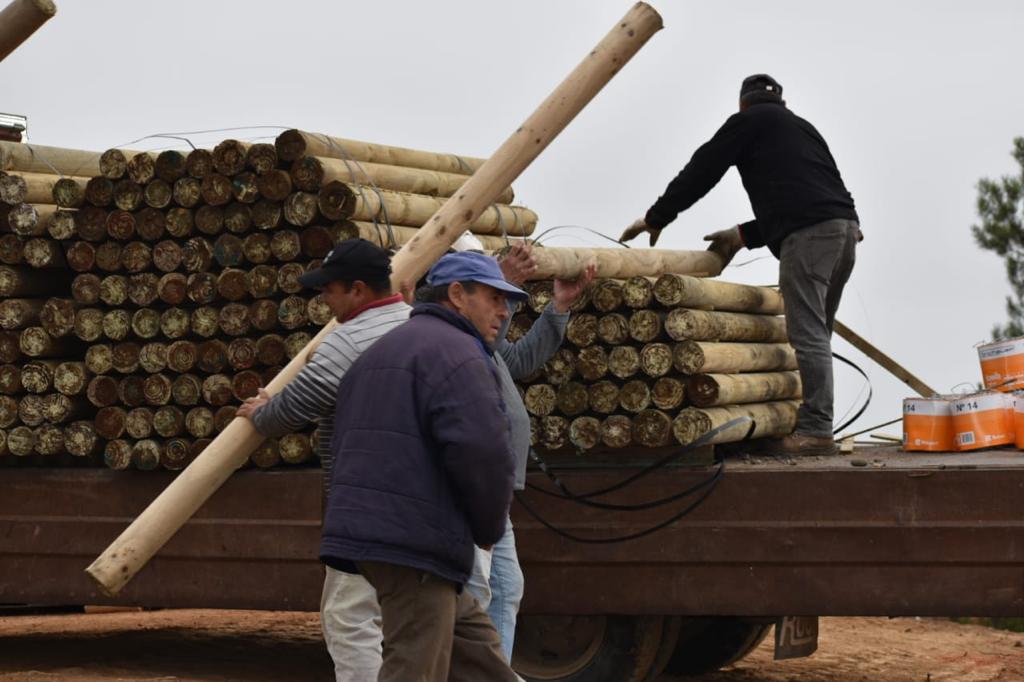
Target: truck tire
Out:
[586,648]
[666,647]
[707,644]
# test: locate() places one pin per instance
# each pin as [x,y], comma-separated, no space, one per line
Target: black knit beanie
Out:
[760,88]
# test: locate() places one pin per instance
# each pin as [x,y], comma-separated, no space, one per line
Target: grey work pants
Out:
[814,264]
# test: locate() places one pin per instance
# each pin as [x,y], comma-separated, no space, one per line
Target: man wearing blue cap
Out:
[497,581]
[423,471]
[802,213]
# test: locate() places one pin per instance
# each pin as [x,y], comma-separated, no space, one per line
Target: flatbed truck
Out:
[877,532]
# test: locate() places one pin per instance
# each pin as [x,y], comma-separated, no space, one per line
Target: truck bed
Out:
[878,532]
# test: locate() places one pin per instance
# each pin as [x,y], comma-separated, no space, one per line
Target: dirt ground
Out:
[253,646]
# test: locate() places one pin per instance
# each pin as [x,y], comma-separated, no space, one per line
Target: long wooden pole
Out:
[694,357]
[676,290]
[565,263]
[776,418]
[322,170]
[893,367]
[37,158]
[529,140]
[379,234]
[294,144]
[189,491]
[683,324]
[21,19]
[709,390]
[339,200]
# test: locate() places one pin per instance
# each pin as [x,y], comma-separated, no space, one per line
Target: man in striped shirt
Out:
[355,283]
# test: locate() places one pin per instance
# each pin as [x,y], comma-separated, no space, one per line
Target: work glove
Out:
[637,228]
[726,243]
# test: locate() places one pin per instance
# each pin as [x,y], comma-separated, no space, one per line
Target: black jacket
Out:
[423,469]
[786,167]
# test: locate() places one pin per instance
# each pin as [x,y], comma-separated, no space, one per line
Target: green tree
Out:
[1001,209]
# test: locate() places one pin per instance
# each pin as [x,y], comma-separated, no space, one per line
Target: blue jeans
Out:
[497,584]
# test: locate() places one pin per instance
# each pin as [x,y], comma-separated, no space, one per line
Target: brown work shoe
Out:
[798,444]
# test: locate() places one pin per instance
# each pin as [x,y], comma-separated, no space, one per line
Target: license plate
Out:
[795,637]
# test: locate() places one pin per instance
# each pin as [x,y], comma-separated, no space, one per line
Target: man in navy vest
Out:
[423,471]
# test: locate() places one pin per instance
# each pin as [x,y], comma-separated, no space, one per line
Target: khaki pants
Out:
[351,624]
[433,632]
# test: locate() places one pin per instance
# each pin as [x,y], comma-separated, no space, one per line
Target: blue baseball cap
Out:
[472,267]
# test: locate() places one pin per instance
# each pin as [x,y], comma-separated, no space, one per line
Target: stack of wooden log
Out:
[653,362]
[144,295]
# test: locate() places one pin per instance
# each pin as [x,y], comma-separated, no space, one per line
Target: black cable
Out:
[867,402]
[649,468]
[581,498]
[710,483]
[632,536]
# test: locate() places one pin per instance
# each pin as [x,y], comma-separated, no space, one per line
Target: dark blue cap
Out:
[348,261]
[760,88]
[468,266]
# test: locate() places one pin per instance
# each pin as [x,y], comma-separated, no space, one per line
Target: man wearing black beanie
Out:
[802,213]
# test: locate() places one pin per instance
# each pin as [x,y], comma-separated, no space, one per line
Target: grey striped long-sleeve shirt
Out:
[312,395]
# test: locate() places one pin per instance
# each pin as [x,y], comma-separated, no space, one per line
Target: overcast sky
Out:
[917,100]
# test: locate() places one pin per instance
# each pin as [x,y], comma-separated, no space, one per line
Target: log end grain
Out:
[554,432]
[117,454]
[687,357]
[585,433]
[262,157]
[592,363]
[616,431]
[229,157]
[540,400]
[689,425]
[113,164]
[652,429]
[668,393]
[307,173]
[613,329]
[572,398]
[80,438]
[290,145]
[635,396]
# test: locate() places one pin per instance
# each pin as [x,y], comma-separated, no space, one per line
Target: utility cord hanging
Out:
[582,498]
[708,484]
[632,536]
[867,401]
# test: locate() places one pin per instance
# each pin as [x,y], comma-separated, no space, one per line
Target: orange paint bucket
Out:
[982,420]
[1002,364]
[1018,421]
[928,425]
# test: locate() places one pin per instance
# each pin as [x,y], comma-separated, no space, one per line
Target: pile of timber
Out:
[653,362]
[144,295]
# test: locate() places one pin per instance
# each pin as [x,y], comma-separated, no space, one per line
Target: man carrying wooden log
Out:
[354,279]
[802,213]
[423,472]
[497,579]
